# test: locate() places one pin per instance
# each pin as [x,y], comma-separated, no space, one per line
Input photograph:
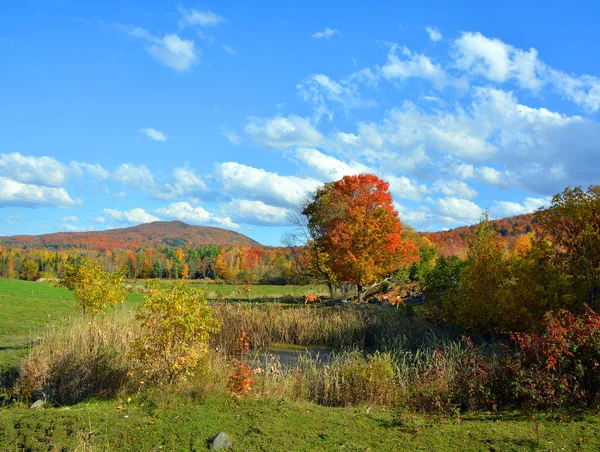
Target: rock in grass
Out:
[38,404]
[221,441]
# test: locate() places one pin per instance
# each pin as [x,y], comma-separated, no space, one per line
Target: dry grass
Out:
[89,357]
[86,356]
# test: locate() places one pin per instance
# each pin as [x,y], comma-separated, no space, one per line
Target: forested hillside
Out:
[455,241]
[157,234]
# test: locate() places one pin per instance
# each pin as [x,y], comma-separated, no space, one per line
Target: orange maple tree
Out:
[355,225]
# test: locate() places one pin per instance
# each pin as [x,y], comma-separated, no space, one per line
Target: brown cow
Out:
[310,299]
[398,302]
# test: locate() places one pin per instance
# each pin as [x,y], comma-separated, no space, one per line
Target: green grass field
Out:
[235,291]
[172,424]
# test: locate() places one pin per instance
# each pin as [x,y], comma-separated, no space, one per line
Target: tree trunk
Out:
[360,293]
[330,287]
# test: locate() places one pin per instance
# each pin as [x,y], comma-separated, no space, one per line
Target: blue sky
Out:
[230,114]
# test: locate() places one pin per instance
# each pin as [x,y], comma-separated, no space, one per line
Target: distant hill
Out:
[155,235]
[455,241]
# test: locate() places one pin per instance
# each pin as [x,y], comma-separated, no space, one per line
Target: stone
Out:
[42,394]
[221,441]
[38,404]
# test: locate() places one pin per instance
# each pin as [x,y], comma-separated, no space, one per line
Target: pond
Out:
[288,354]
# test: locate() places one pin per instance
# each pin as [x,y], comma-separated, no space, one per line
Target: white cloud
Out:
[282,132]
[256,213]
[14,193]
[454,188]
[415,65]
[231,135]
[271,188]
[404,188]
[69,219]
[434,34]
[583,90]
[170,50]
[94,170]
[101,220]
[228,49]
[326,33]
[186,180]
[318,89]
[202,18]
[33,170]
[326,167]
[73,228]
[139,176]
[498,61]
[154,134]
[136,215]
[461,209]
[509,209]
[184,211]
[512,145]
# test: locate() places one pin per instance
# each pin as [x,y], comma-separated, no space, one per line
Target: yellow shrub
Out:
[176,325]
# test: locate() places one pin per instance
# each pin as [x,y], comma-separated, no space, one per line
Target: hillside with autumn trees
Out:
[156,234]
[455,242]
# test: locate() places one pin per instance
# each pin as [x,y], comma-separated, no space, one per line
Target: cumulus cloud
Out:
[170,50]
[326,167]
[498,61]
[33,170]
[509,209]
[326,33]
[404,188]
[185,181]
[319,89]
[201,18]
[434,34]
[459,209]
[256,213]
[403,64]
[454,188]
[94,170]
[184,211]
[74,228]
[154,134]
[15,193]
[136,215]
[282,132]
[496,140]
[271,188]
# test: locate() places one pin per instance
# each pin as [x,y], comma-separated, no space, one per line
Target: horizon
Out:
[229,116]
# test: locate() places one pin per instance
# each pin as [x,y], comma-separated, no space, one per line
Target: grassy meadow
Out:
[28,306]
[352,402]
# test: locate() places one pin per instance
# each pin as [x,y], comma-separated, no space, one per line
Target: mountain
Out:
[455,241]
[155,235]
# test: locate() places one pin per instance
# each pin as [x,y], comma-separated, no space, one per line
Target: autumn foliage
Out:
[357,230]
[93,288]
[176,325]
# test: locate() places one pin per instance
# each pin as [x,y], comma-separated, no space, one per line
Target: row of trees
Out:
[257,265]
